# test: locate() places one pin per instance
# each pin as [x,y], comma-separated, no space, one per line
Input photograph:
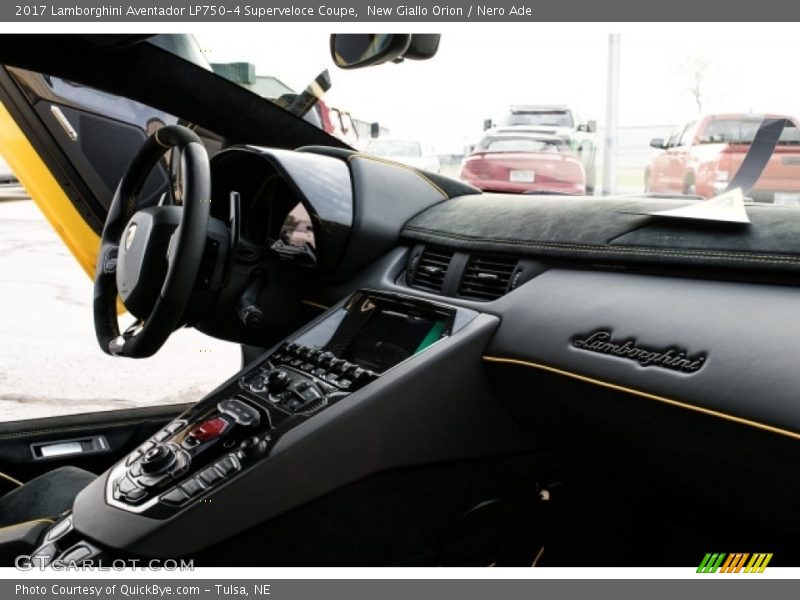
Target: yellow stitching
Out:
[739,256]
[315,304]
[649,396]
[27,523]
[397,164]
[11,479]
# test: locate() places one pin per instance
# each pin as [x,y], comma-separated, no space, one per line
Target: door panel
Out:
[121,430]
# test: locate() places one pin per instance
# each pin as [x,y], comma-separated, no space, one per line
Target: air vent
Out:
[427,272]
[486,277]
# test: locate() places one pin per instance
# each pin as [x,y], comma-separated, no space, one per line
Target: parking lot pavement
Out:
[50,363]
[12,191]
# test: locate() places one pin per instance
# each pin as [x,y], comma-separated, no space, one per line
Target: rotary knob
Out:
[252,447]
[278,380]
[158,459]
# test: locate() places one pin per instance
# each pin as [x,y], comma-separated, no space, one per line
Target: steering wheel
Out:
[150,257]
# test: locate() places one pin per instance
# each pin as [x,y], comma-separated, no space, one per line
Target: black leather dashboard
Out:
[745,332]
[603,232]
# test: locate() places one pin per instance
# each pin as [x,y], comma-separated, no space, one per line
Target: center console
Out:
[186,460]
[347,396]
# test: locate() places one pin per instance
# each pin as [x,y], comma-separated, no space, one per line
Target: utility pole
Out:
[612,117]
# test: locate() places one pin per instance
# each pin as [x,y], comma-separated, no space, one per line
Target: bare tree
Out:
[695,73]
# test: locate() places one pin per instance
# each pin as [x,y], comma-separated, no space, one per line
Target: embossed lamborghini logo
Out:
[673,358]
[129,236]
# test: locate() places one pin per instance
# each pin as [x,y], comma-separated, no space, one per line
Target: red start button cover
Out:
[209,429]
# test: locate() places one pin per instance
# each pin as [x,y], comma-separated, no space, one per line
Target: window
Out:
[520,144]
[742,131]
[46,298]
[687,135]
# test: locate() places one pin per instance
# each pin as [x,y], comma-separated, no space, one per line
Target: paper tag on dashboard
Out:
[725,208]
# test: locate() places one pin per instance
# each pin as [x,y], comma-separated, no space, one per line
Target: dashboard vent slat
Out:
[486,277]
[430,269]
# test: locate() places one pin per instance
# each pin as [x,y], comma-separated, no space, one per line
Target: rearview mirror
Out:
[374,130]
[423,46]
[357,50]
[487,124]
[657,143]
[591,126]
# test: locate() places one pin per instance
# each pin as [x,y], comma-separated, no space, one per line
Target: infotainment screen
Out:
[379,332]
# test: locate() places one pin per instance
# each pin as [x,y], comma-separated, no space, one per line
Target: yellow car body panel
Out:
[47,193]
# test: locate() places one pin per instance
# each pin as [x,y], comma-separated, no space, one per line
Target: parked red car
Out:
[520,163]
[702,156]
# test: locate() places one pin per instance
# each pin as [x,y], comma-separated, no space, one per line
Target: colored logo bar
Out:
[739,562]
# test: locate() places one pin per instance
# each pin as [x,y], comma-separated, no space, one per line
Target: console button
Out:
[135,495]
[175,496]
[227,465]
[257,384]
[175,426]
[128,490]
[291,348]
[135,469]
[75,554]
[148,445]
[210,476]
[149,481]
[162,436]
[132,457]
[312,394]
[59,529]
[253,446]
[209,429]
[344,383]
[126,485]
[192,487]
[292,404]
[325,359]
[242,413]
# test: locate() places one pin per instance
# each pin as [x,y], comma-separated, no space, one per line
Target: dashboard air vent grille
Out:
[486,277]
[429,272]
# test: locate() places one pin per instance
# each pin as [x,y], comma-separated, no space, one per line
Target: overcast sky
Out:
[479,72]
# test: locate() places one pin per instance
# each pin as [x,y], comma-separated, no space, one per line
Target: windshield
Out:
[544,118]
[742,131]
[390,148]
[519,144]
[440,111]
